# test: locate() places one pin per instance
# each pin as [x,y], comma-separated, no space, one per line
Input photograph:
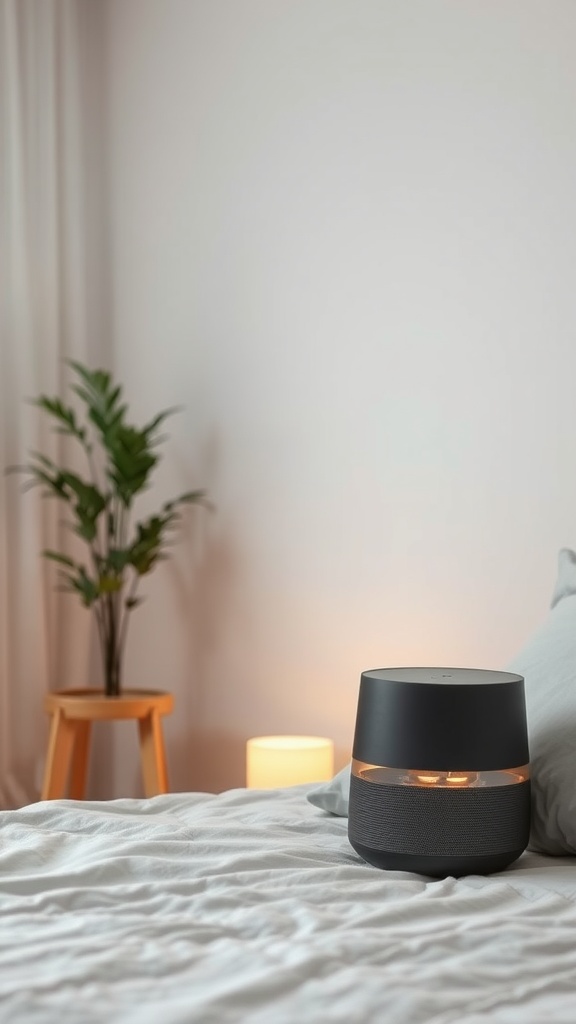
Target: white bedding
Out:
[252,906]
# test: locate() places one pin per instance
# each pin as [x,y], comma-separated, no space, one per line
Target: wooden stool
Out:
[73,712]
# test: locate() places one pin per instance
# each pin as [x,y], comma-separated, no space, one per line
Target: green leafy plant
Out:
[120,459]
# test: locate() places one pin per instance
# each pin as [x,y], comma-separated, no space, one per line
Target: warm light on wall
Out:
[273,761]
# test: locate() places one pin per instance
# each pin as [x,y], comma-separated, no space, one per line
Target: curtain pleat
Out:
[44,312]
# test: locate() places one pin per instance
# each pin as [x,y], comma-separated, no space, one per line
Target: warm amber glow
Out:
[456,780]
[429,778]
[519,774]
[273,761]
[461,778]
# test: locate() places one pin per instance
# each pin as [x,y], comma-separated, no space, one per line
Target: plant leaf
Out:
[55,556]
[109,584]
[130,458]
[63,414]
[153,425]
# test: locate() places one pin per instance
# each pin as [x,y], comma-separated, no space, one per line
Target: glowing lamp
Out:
[440,780]
[273,761]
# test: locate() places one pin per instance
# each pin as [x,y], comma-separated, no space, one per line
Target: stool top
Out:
[96,704]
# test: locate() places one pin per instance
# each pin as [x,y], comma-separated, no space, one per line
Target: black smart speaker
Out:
[440,780]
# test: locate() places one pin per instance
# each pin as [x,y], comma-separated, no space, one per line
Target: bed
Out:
[252,906]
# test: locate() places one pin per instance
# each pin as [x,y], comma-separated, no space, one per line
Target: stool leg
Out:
[152,754]
[79,768]
[60,746]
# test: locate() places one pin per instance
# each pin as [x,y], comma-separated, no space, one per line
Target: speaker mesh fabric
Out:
[427,821]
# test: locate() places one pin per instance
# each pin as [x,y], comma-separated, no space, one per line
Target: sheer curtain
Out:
[51,308]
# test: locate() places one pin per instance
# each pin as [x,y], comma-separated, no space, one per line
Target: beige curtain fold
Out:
[49,291]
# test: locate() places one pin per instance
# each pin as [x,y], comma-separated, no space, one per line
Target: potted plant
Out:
[120,460]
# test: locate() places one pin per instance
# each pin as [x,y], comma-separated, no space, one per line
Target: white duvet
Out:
[252,906]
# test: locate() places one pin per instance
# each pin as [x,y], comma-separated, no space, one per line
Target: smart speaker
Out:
[440,780]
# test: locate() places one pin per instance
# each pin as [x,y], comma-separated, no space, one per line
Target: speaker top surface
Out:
[443,676]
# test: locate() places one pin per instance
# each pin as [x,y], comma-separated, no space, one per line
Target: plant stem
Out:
[111,650]
[125,619]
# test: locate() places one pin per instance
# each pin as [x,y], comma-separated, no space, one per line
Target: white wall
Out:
[343,236]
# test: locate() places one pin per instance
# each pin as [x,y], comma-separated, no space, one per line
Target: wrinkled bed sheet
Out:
[252,906]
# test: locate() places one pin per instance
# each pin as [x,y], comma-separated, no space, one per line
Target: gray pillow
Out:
[333,795]
[548,664]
